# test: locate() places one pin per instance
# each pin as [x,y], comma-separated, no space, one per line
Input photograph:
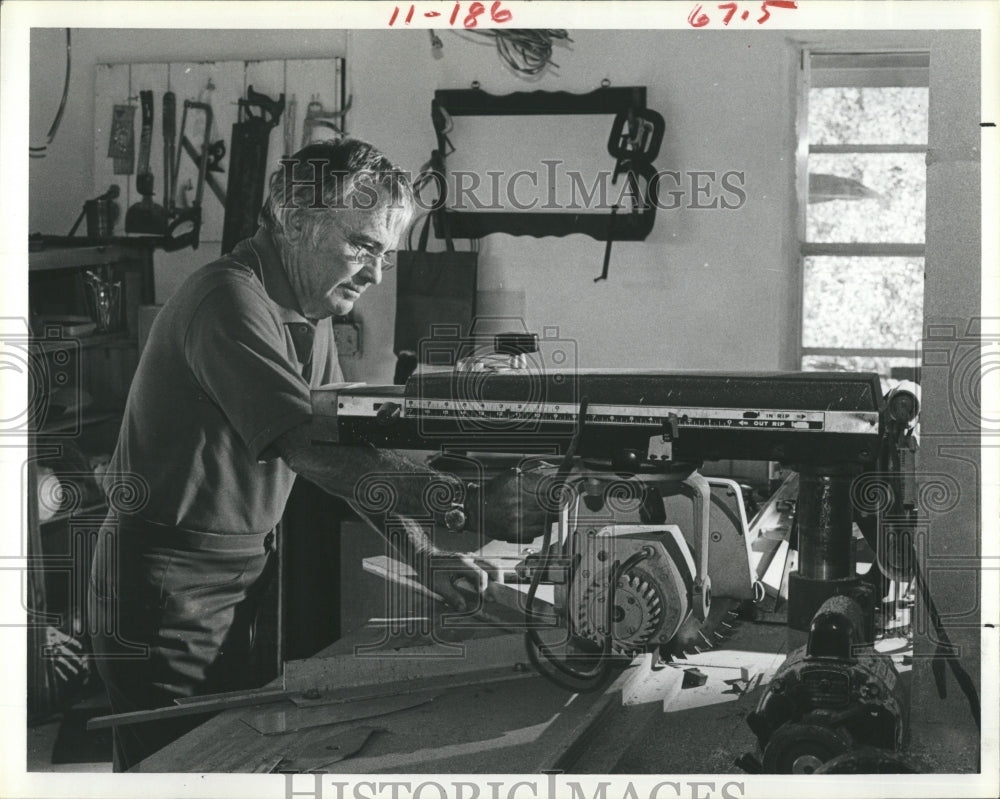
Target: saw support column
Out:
[826,565]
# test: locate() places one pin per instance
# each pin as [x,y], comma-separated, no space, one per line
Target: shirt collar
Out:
[261,254]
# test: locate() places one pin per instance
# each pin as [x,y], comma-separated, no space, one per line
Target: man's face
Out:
[329,276]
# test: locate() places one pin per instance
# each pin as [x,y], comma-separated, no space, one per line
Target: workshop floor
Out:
[63,744]
[41,745]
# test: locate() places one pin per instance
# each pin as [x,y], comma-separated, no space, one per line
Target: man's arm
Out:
[387,490]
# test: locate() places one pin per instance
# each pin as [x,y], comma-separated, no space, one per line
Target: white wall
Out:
[707,289]
[955,425]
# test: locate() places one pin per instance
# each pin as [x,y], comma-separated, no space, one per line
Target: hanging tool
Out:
[607,246]
[634,150]
[146,216]
[185,222]
[258,114]
[39,151]
[319,117]
[291,113]
[169,137]
[215,153]
[121,144]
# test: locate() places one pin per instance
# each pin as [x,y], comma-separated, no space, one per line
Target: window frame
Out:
[907,75]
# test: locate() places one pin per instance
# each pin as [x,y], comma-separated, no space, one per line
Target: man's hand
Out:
[66,654]
[448,574]
[457,578]
[513,504]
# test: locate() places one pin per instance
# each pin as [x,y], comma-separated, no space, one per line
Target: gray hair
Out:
[331,176]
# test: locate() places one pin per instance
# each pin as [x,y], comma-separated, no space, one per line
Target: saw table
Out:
[475,706]
[386,699]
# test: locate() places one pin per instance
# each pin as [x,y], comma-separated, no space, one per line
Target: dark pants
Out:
[172,614]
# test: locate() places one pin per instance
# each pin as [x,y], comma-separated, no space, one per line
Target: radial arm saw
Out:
[638,543]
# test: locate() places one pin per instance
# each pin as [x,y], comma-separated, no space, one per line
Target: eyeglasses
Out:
[364,256]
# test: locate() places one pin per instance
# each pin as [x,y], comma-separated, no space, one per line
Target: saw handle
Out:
[270,109]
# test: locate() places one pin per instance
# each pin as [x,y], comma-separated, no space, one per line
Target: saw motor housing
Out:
[647,604]
[682,528]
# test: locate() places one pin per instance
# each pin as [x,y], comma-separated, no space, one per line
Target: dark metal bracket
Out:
[624,102]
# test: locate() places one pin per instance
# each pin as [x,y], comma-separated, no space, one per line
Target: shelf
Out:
[62,253]
[87,510]
[121,339]
[70,421]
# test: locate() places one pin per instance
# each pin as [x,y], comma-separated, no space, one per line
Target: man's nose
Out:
[370,273]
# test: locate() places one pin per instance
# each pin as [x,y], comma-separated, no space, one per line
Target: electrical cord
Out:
[40,152]
[594,679]
[553,668]
[941,655]
[525,50]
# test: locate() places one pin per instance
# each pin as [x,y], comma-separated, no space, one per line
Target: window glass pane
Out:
[856,115]
[855,197]
[874,303]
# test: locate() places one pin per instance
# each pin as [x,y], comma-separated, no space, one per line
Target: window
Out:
[863,131]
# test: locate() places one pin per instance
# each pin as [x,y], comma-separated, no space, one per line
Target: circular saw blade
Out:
[695,637]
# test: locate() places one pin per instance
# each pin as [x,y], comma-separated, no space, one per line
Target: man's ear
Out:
[293,229]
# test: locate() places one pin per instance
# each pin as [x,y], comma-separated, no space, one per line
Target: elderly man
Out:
[216,427]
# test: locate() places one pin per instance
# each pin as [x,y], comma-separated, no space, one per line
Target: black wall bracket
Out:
[633,156]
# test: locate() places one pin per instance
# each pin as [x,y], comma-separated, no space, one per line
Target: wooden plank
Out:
[500,727]
[791,564]
[506,610]
[322,753]
[190,700]
[188,709]
[293,719]
[522,728]
[369,665]
[572,736]
[481,677]
[520,725]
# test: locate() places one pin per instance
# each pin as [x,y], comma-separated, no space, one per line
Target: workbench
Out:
[486,711]
[461,697]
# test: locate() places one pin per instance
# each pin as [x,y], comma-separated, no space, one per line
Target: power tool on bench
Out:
[635,545]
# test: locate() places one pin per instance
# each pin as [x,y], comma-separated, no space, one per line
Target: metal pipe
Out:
[826,546]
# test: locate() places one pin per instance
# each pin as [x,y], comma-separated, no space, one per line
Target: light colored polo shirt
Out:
[227,370]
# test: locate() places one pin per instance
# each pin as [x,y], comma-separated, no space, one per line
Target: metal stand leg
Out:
[826,564]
